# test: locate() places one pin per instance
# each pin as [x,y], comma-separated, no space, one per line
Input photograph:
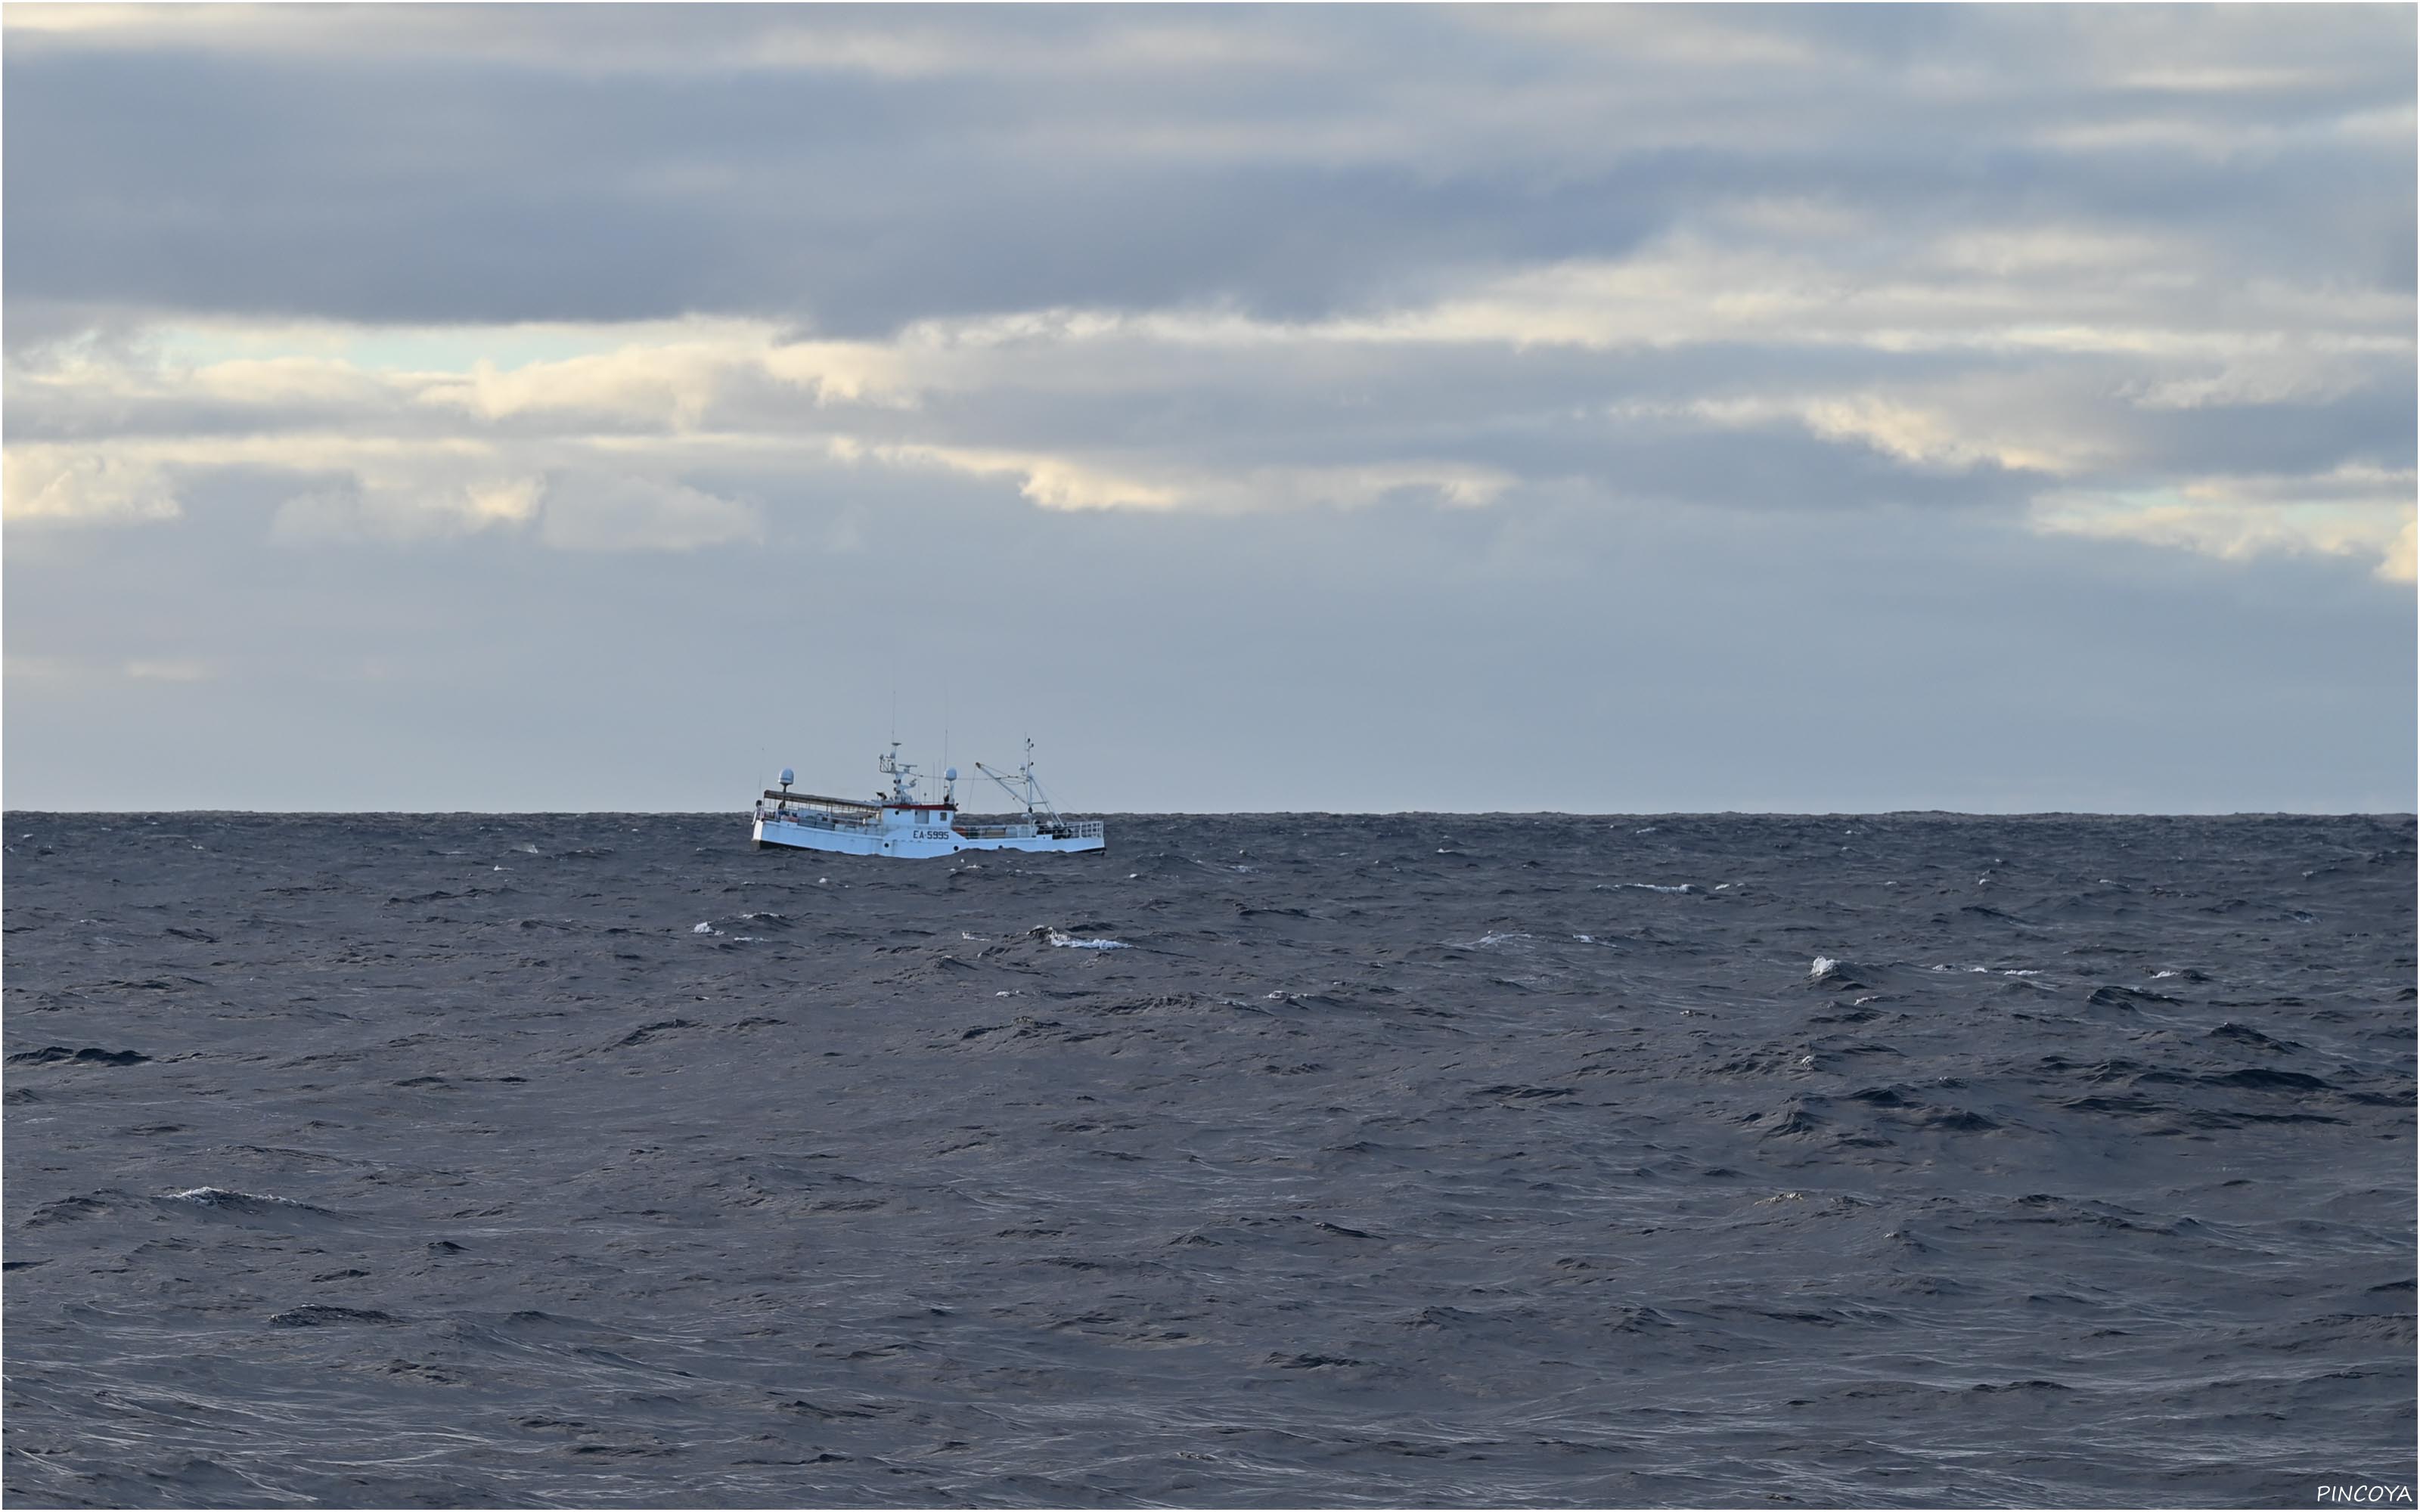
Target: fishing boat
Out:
[899,823]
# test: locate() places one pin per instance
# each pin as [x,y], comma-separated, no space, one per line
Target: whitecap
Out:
[1647,886]
[217,1196]
[1071,942]
[1824,965]
[702,929]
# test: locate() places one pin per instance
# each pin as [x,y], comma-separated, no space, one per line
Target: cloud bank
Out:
[678,286]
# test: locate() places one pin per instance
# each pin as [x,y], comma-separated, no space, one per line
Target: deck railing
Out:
[996,831]
[1064,830]
[808,818]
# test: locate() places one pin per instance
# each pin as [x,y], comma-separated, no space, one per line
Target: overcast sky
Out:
[1605,409]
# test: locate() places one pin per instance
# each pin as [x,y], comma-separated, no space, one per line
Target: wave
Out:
[88,1055]
[1069,942]
[254,1204]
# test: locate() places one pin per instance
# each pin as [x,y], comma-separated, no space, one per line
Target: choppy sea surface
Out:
[602,1159]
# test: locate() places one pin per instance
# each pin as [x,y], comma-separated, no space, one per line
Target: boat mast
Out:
[902,775]
[1036,800]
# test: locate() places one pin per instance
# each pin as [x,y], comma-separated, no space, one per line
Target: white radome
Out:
[902,825]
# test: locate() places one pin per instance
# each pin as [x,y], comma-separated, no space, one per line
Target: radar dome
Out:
[949,776]
[788,777]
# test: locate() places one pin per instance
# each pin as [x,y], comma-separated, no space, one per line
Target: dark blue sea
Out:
[1417,1161]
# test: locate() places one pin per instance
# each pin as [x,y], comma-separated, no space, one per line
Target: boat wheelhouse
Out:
[900,823]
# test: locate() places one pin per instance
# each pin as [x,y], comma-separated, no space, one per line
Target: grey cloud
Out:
[2372,426]
[352,183]
[590,512]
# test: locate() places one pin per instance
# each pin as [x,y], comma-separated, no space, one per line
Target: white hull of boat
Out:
[923,841]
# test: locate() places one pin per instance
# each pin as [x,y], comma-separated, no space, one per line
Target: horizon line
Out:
[1282,814]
